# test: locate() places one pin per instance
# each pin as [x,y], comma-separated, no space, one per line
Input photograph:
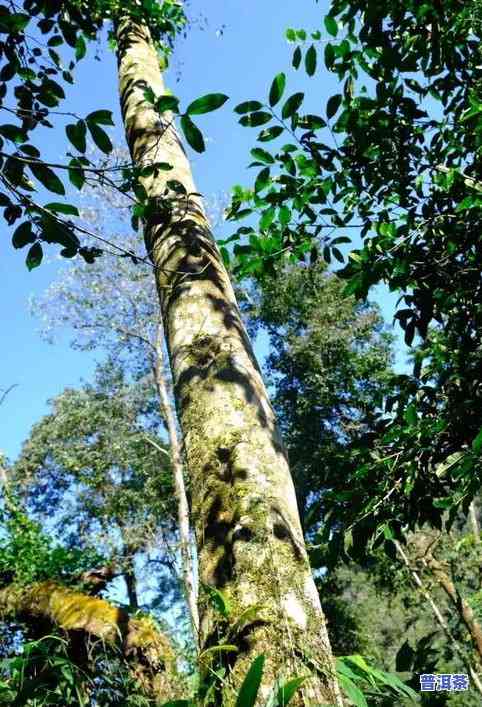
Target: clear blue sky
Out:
[240,62]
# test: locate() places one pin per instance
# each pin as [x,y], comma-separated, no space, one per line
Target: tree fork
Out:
[248,531]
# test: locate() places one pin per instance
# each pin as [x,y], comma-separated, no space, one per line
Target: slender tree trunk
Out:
[131,582]
[439,616]
[179,485]
[463,609]
[248,532]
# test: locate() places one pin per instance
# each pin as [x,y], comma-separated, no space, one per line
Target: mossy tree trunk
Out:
[248,532]
[147,651]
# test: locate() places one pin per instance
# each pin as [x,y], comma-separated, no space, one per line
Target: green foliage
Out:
[398,160]
[70,27]
[248,691]
[28,554]
[329,368]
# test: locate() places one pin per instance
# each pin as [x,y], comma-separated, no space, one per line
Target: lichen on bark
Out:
[249,537]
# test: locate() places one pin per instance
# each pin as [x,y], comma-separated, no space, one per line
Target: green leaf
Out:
[102,117]
[80,48]
[13,132]
[331,25]
[262,155]
[267,218]
[296,61]
[34,256]
[292,105]
[76,133]
[192,134]
[76,173]
[290,35]
[410,414]
[168,102]
[248,691]
[262,180]
[329,55]
[270,133]
[334,102]
[287,691]
[353,692]
[284,215]
[253,120]
[14,23]
[23,235]
[310,61]
[207,103]
[100,137]
[218,600]
[277,88]
[248,107]
[47,177]
[62,208]
[477,443]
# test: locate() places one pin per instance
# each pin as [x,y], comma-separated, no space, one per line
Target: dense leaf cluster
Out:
[395,158]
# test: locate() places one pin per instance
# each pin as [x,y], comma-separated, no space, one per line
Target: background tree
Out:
[89,471]
[395,157]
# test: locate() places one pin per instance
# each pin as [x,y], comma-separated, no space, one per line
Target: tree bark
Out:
[246,520]
[130,580]
[474,522]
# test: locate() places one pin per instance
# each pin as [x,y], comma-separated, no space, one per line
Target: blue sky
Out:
[241,61]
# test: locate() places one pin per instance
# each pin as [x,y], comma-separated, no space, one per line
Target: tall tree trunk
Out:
[179,485]
[248,532]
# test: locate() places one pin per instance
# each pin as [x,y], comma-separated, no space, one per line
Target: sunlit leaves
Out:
[331,25]
[248,107]
[262,180]
[270,133]
[262,155]
[256,119]
[292,105]
[80,48]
